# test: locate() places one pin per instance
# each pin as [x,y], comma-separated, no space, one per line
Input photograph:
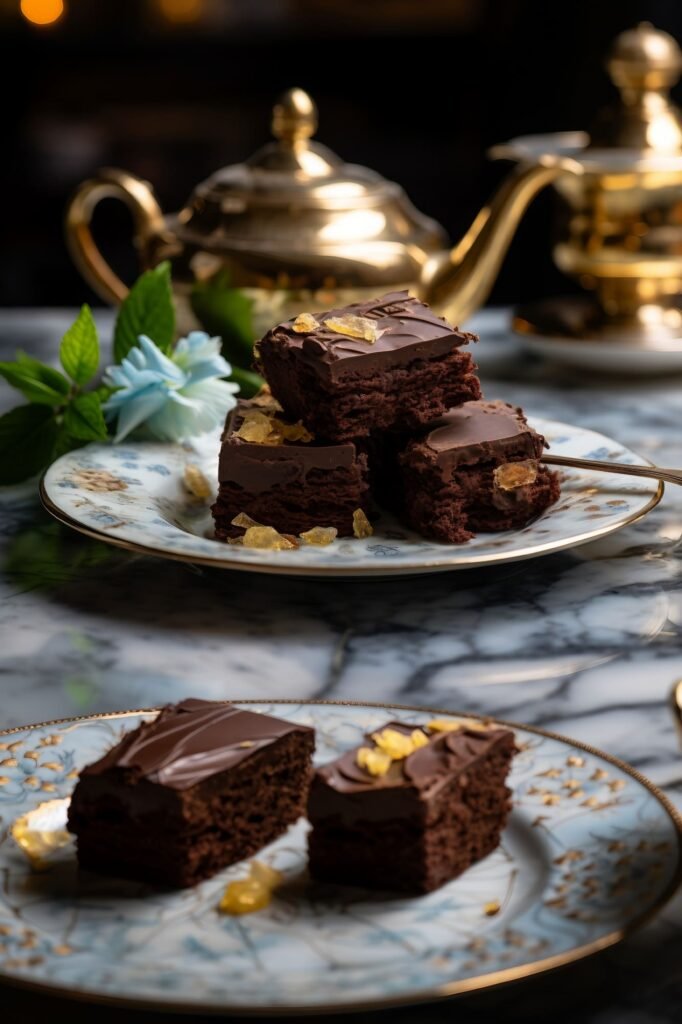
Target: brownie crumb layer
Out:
[202,786]
[476,470]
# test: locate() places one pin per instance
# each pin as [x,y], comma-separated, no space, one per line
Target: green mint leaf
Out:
[27,437]
[79,350]
[37,382]
[226,311]
[84,420]
[147,309]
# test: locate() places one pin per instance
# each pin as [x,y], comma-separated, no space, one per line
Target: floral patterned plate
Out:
[134,495]
[590,852]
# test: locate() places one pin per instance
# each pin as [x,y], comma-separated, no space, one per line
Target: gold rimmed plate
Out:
[591,851]
[135,496]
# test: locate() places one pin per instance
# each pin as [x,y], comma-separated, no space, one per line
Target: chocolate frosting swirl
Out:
[192,740]
[430,766]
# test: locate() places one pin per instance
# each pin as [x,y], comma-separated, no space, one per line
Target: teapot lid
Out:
[296,202]
[641,131]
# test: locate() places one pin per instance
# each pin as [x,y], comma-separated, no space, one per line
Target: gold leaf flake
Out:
[31,755]
[361,524]
[571,784]
[492,908]
[9,762]
[616,785]
[576,794]
[62,950]
[551,773]
[53,766]
[575,761]
[598,775]
[255,427]
[360,327]
[4,779]
[37,834]
[551,799]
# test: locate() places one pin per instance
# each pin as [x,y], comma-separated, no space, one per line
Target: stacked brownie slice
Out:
[367,400]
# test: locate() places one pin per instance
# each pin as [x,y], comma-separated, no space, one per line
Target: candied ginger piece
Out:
[246,895]
[376,762]
[266,538]
[511,475]
[293,431]
[419,739]
[266,875]
[195,482]
[305,323]
[255,427]
[360,327]
[244,521]
[319,536]
[396,744]
[443,725]
[361,524]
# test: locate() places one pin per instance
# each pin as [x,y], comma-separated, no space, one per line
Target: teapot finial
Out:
[644,58]
[294,117]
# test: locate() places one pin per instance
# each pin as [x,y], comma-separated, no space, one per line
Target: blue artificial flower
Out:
[176,396]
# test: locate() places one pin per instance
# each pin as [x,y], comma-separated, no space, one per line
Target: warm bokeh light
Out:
[42,12]
[181,11]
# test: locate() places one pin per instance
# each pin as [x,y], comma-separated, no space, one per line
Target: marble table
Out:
[587,643]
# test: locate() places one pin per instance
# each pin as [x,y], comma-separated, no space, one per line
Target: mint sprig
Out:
[65,409]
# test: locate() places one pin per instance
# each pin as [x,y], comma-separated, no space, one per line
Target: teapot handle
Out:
[147,218]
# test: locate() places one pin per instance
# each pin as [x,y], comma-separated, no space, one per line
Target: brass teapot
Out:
[296,228]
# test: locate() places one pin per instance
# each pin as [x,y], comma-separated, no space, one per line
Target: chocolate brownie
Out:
[287,478]
[476,469]
[411,813]
[179,798]
[386,363]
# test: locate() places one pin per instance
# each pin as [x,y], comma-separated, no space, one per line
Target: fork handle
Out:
[671,476]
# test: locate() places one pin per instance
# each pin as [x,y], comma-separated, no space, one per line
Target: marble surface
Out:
[586,643]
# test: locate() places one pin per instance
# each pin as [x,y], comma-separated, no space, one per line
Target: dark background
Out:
[174,89]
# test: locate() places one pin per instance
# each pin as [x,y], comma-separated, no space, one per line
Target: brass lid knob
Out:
[644,58]
[294,117]
[643,64]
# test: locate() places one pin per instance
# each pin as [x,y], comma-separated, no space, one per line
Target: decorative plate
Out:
[591,851]
[134,495]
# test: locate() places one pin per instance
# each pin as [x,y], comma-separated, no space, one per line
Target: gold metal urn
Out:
[618,230]
[296,228]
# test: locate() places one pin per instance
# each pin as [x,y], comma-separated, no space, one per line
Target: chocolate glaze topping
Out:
[191,741]
[258,467]
[408,330]
[478,431]
[429,767]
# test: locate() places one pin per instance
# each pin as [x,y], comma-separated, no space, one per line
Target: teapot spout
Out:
[458,282]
